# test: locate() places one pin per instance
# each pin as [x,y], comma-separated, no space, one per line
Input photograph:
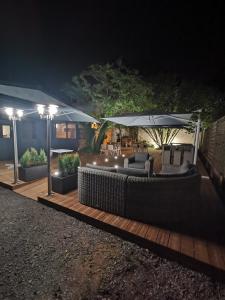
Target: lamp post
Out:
[14,115]
[48,113]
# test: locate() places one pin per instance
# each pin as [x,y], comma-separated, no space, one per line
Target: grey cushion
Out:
[141,156]
[185,169]
[137,165]
[103,168]
[132,172]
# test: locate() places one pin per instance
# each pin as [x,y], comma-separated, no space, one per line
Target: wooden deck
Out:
[6,177]
[201,246]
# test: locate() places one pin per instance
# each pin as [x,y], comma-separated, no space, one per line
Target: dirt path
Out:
[45,254]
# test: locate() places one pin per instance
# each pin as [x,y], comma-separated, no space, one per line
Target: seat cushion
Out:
[103,168]
[132,172]
[141,156]
[137,165]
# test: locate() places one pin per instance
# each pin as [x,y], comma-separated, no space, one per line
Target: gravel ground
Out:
[45,254]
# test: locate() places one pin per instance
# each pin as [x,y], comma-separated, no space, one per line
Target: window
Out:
[5,131]
[65,130]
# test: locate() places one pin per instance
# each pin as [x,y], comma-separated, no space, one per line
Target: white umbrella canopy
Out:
[153,120]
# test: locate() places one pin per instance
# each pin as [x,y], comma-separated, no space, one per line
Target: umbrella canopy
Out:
[32,95]
[153,120]
[27,100]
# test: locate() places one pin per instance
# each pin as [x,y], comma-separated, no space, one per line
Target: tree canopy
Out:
[109,90]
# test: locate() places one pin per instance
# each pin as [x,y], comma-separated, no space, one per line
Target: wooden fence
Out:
[213,153]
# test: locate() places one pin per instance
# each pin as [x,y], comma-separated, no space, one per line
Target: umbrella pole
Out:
[49,155]
[15,150]
[198,125]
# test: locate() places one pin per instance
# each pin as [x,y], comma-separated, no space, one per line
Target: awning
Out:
[32,95]
[27,99]
[153,120]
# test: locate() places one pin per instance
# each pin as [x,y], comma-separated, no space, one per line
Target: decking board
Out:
[197,249]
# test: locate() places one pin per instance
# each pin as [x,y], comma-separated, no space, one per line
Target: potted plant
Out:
[33,165]
[65,179]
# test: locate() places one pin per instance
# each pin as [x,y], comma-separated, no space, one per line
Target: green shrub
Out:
[68,164]
[25,159]
[32,158]
[42,157]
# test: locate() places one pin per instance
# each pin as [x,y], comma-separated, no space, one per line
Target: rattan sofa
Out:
[151,200]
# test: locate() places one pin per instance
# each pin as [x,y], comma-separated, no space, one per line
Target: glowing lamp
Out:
[116,166]
[94,163]
[41,109]
[52,109]
[19,113]
[106,159]
[9,111]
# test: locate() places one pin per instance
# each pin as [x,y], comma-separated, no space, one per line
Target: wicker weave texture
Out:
[162,200]
[103,190]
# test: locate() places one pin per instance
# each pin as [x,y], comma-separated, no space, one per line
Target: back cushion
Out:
[141,156]
[103,168]
[132,172]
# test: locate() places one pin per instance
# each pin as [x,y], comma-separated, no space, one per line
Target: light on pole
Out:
[14,115]
[48,113]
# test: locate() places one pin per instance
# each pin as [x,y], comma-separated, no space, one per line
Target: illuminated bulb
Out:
[41,109]
[9,111]
[52,109]
[115,157]
[94,163]
[116,166]
[19,113]
[123,155]
[106,159]
[56,173]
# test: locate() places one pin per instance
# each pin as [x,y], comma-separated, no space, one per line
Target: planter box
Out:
[33,173]
[63,185]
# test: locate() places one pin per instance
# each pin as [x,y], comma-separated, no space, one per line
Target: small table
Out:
[60,151]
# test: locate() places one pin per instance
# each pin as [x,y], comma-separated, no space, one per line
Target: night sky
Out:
[46,43]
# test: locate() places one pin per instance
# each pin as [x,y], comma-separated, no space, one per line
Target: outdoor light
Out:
[106,159]
[47,112]
[14,115]
[94,163]
[52,109]
[9,111]
[94,125]
[116,166]
[56,173]
[115,157]
[19,113]
[41,109]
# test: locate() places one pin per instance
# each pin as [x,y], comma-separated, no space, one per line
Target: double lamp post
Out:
[45,112]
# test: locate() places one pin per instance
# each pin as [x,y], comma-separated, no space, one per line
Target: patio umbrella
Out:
[172,120]
[27,100]
[153,120]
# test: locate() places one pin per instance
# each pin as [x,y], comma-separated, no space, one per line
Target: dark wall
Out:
[32,133]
